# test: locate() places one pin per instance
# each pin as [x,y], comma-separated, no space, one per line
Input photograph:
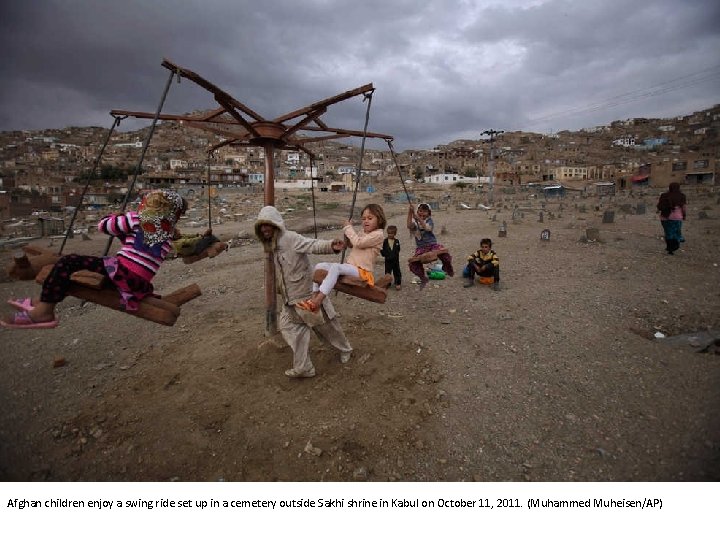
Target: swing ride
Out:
[242,126]
[239,125]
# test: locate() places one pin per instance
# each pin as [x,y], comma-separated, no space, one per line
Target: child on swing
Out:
[366,246]
[421,227]
[146,241]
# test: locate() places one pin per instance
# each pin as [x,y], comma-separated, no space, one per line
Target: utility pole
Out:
[492,133]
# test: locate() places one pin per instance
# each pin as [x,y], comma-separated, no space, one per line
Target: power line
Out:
[672,85]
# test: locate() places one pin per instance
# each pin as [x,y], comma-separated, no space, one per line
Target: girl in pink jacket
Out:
[366,246]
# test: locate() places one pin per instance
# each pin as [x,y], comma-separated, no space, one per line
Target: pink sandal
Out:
[21,304]
[21,319]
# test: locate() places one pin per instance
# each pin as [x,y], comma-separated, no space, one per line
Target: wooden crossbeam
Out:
[355,287]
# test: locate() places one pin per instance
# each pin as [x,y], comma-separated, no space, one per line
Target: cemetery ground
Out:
[556,377]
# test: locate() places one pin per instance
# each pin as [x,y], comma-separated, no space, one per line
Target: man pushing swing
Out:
[293,277]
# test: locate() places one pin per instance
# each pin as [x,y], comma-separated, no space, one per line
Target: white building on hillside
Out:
[627,141]
[453,178]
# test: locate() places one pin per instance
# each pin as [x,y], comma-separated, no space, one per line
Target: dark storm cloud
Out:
[443,70]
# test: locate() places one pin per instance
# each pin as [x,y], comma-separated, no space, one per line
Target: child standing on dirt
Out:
[484,263]
[420,224]
[146,242]
[391,251]
[365,246]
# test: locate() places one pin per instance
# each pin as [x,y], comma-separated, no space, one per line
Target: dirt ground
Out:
[556,377]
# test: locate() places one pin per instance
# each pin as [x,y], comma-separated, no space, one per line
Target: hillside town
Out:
[42,173]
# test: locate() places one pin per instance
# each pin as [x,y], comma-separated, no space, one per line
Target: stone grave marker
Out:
[545,235]
[608,216]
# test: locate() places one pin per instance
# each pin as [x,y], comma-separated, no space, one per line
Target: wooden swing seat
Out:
[211,251]
[355,287]
[428,257]
[95,288]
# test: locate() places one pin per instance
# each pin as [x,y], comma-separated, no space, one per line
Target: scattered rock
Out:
[59,362]
[310,449]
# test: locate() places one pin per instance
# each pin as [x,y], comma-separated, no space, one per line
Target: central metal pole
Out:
[270,291]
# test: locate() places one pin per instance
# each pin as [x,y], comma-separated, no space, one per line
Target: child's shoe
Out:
[308,305]
[21,304]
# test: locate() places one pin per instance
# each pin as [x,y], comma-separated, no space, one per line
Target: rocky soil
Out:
[556,377]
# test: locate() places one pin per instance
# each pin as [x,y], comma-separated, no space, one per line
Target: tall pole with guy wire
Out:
[492,133]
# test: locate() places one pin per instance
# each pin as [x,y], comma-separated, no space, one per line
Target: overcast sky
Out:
[443,70]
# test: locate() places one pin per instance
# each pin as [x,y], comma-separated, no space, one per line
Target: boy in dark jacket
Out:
[391,251]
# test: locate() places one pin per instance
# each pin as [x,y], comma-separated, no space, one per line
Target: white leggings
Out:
[334,271]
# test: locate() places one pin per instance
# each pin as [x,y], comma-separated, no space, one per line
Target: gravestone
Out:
[702,215]
[545,235]
[540,217]
[640,209]
[592,235]
[502,233]
[608,216]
